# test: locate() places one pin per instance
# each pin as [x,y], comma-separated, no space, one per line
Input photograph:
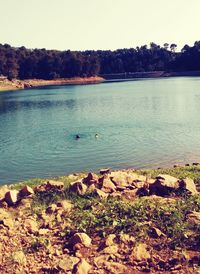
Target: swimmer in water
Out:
[96,135]
[78,136]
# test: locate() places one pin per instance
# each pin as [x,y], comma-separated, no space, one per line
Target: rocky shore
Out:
[16,84]
[123,221]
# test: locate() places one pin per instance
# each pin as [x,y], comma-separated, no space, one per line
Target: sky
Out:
[98,24]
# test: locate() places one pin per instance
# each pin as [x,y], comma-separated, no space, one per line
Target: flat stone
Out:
[19,257]
[114,267]
[163,185]
[51,209]
[188,185]
[140,252]
[123,178]
[65,205]
[113,249]
[31,225]
[43,231]
[130,194]
[100,260]
[110,240]
[83,267]
[49,186]
[80,238]
[3,190]
[126,238]
[55,185]
[6,219]
[67,263]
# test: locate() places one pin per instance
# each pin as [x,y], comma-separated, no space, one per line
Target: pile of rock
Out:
[50,185]
[129,184]
[12,197]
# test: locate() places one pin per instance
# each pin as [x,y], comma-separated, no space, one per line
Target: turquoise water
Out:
[140,124]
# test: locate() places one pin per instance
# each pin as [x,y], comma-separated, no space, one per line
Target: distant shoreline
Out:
[6,85]
[128,76]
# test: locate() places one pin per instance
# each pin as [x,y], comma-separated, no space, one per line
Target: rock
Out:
[101,194]
[26,203]
[155,232]
[31,225]
[164,185]
[43,231]
[80,238]
[106,185]
[26,191]
[40,188]
[83,267]
[54,185]
[67,263]
[91,189]
[140,253]
[160,199]
[113,249]
[51,209]
[130,194]
[116,195]
[195,164]
[90,179]
[188,185]
[126,238]
[104,171]
[11,197]
[6,219]
[3,191]
[3,204]
[19,257]
[175,166]
[78,188]
[109,240]
[100,260]
[123,178]
[114,267]
[65,205]
[49,186]
[194,217]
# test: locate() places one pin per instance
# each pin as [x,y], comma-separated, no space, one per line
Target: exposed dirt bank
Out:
[6,85]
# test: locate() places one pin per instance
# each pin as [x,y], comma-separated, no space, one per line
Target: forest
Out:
[23,63]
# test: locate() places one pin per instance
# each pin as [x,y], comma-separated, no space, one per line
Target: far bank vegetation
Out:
[23,63]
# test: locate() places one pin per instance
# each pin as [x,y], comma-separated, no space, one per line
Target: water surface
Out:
[140,124]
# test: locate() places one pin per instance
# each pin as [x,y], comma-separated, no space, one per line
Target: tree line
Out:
[23,63]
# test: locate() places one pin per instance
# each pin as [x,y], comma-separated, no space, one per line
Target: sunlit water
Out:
[140,124]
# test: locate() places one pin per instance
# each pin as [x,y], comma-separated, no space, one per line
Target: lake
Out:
[140,124]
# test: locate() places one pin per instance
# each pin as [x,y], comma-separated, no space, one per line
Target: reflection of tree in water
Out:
[14,105]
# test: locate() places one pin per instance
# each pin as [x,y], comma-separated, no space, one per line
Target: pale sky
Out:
[98,24]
